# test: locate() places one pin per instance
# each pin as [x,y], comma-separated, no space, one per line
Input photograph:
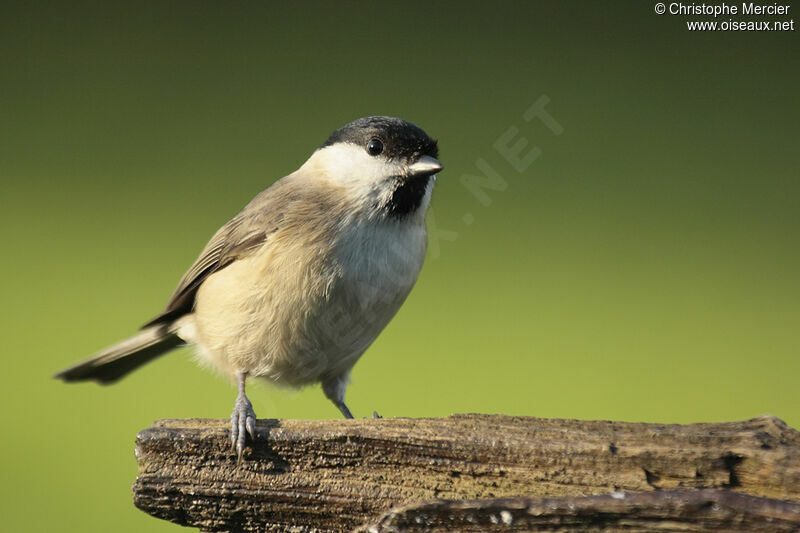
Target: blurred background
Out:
[644,267]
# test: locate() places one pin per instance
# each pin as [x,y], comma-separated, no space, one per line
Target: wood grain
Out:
[706,510]
[334,475]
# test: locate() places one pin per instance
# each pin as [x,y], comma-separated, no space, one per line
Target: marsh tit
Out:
[297,286]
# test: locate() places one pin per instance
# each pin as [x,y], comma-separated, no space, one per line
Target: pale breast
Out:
[377,266]
[294,315]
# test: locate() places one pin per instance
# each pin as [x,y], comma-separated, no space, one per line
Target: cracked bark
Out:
[334,475]
[680,511]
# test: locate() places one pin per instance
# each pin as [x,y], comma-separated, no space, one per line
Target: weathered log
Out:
[680,511]
[333,475]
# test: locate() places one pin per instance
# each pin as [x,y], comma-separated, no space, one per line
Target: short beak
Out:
[425,166]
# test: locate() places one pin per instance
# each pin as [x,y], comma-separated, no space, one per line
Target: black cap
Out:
[401,139]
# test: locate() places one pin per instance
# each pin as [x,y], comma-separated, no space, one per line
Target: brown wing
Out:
[238,238]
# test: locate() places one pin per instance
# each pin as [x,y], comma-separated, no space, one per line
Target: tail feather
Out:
[118,360]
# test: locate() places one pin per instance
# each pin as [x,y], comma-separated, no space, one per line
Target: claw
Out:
[234,428]
[250,423]
[240,441]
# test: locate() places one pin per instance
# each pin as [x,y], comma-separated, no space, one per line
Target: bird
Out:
[296,286]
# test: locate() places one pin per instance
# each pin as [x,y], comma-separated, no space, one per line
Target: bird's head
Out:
[382,164]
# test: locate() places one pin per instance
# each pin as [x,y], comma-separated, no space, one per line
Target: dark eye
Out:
[374,147]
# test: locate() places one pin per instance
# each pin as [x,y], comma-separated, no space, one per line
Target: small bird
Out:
[298,285]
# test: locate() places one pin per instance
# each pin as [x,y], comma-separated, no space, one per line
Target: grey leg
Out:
[243,418]
[343,408]
[334,390]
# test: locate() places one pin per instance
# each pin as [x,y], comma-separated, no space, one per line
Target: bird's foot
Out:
[243,421]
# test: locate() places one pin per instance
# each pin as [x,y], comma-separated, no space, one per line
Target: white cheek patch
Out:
[366,177]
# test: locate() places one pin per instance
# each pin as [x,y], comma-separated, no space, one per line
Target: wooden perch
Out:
[334,475]
[701,510]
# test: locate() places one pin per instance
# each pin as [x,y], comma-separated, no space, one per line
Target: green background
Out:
[643,268]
